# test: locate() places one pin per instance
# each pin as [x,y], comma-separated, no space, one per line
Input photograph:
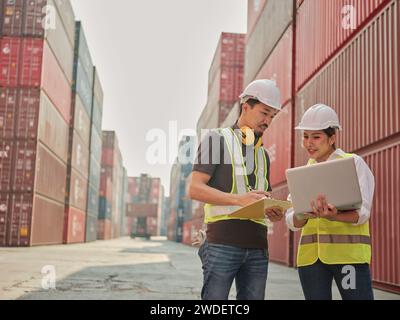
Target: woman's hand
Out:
[322,209]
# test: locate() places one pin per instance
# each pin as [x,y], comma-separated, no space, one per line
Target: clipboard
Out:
[256,209]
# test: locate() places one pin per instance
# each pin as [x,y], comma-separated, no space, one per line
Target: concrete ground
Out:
[122,269]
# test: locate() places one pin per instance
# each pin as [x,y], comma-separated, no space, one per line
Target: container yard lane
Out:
[127,269]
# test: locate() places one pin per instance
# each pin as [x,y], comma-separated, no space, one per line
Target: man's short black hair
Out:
[251,102]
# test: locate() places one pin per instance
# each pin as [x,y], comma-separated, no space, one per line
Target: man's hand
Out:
[323,209]
[251,197]
[274,214]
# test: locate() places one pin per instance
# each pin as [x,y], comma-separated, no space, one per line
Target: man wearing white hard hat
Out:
[333,243]
[236,248]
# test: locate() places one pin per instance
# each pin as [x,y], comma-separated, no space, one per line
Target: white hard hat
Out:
[319,117]
[263,90]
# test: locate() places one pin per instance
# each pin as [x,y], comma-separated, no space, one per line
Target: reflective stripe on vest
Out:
[333,242]
[239,177]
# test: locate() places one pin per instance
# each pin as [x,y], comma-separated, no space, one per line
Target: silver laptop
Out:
[336,179]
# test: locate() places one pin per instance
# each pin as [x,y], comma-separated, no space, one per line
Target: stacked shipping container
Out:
[144,204]
[269,54]
[359,75]
[79,140]
[112,185]
[225,80]
[346,55]
[180,204]
[35,92]
[94,159]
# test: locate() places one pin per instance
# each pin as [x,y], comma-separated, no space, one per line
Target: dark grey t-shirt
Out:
[239,233]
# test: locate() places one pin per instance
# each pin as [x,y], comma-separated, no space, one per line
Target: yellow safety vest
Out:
[240,184]
[333,242]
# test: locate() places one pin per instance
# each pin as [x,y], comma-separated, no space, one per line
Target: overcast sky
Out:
[153,58]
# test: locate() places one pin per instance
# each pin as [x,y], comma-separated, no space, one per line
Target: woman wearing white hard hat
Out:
[333,245]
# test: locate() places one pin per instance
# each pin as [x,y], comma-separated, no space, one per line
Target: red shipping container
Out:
[362,84]
[74,226]
[9,61]
[24,18]
[21,65]
[277,142]
[24,166]
[143,210]
[133,186]
[106,184]
[11,20]
[28,113]
[19,220]
[225,80]
[279,234]
[47,222]
[4,209]
[55,84]
[103,229]
[107,157]
[35,14]
[31,63]
[21,62]
[8,110]
[6,160]
[323,27]
[279,66]
[385,221]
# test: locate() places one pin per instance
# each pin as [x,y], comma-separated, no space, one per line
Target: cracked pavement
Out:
[122,269]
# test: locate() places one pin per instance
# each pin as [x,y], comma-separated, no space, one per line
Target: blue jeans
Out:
[223,263]
[353,281]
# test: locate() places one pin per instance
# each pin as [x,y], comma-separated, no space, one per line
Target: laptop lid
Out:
[336,179]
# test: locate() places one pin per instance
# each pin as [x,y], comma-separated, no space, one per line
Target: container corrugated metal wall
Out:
[60,44]
[274,20]
[362,83]
[278,234]
[278,71]
[324,26]
[385,220]
[76,226]
[277,142]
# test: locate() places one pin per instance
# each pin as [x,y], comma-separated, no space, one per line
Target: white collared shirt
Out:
[367,186]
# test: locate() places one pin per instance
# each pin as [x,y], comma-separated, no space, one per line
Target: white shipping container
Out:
[273,22]
[60,44]
[81,121]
